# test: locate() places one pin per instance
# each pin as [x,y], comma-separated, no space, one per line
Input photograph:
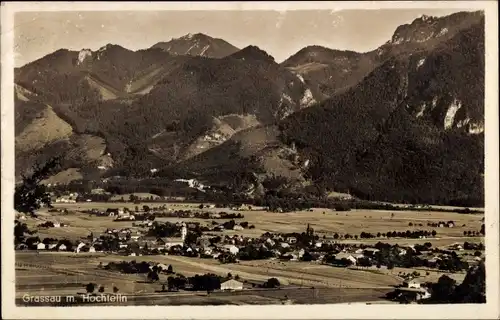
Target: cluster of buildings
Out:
[70,198]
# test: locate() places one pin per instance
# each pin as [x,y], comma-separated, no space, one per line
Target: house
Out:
[52,246]
[91,249]
[57,224]
[358,255]
[370,251]
[161,242]
[63,247]
[172,242]
[79,247]
[271,242]
[41,246]
[451,224]
[231,285]
[135,236]
[291,240]
[285,245]
[346,256]
[238,228]
[231,248]
[411,284]
[412,294]
[318,244]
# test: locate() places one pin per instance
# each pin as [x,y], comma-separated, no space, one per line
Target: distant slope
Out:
[386,139]
[197,45]
[333,71]
[250,154]
[81,77]
[185,103]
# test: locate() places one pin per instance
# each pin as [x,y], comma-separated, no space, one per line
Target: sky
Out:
[279,33]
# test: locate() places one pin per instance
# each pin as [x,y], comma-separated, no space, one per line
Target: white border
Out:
[490,310]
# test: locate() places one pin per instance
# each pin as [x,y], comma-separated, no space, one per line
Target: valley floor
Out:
[66,273]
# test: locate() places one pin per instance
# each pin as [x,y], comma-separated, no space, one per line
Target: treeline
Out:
[136,267]
[274,200]
[207,282]
[471,290]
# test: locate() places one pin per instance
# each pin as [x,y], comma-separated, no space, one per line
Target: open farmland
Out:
[325,222]
[67,273]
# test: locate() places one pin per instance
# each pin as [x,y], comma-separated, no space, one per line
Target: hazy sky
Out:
[281,34]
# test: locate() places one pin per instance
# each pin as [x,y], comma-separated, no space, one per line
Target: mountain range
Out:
[404,122]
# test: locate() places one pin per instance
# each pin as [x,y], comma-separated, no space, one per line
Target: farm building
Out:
[231,285]
[411,284]
[41,246]
[347,256]
[411,294]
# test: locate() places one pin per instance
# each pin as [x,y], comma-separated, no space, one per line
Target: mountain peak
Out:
[253,53]
[426,28]
[197,44]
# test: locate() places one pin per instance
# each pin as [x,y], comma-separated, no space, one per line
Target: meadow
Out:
[325,222]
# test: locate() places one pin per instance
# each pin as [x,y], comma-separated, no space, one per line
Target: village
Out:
[207,232]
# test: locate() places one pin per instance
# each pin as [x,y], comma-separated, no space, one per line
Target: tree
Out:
[146,208]
[272,283]
[153,276]
[115,289]
[473,288]
[163,288]
[482,231]
[90,287]
[433,233]
[101,289]
[170,269]
[31,194]
[443,289]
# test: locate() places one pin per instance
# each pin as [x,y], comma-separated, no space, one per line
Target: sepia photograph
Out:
[263,154]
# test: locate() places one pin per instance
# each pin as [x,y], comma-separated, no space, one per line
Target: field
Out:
[66,274]
[59,273]
[325,222]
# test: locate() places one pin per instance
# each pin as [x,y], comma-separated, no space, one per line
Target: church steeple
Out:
[184,232]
